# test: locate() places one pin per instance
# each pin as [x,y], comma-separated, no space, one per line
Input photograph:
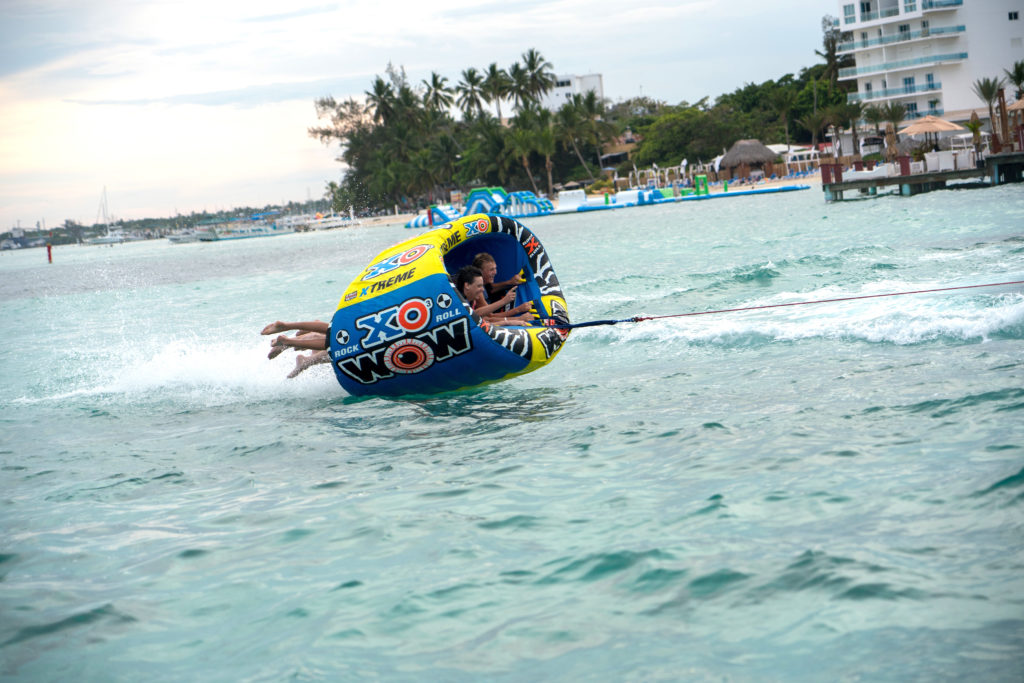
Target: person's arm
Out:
[516,279]
[513,312]
[521,320]
[509,297]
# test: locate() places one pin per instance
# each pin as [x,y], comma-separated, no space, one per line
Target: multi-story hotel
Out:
[568,85]
[927,54]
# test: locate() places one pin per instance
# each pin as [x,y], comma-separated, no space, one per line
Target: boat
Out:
[322,222]
[183,237]
[109,236]
[240,229]
[401,328]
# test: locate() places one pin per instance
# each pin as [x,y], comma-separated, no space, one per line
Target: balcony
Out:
[853,72]
[940,4]
[924,112]
[873,16]
[892,92]
[938,31]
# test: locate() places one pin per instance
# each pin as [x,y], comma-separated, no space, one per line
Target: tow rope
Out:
[641,318]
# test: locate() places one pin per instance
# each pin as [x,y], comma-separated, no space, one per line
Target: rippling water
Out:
[828,492]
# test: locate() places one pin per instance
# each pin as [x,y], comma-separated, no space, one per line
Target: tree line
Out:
[410,144]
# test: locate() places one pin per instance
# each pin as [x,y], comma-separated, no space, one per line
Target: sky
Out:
[192,105]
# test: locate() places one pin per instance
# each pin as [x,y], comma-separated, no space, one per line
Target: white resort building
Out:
[568,85]
[926,54]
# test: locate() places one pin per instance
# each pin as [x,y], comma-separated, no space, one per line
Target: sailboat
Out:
[109,236]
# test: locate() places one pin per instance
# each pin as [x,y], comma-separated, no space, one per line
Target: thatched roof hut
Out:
[749,152]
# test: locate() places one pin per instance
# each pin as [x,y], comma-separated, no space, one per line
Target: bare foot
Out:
[301,363]
[277,347]
[274,327]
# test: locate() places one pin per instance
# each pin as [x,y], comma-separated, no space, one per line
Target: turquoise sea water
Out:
[830,492]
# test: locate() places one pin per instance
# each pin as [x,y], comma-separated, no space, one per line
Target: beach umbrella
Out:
[1016,110]
[930,124]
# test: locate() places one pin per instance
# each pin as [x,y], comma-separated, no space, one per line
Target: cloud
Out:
[36,33]
[297,14]
[193,97]
[250,96]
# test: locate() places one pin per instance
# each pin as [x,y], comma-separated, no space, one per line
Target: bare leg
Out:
[277,349]
[307,326]
[303,362]
[314,342]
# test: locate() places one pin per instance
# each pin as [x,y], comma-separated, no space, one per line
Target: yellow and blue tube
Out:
[401,328]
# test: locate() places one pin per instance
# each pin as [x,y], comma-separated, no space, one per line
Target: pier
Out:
[1007,167]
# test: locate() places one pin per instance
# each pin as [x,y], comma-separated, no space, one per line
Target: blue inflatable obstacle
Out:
[489,200]
[435,215]
[401,327]
[486,200]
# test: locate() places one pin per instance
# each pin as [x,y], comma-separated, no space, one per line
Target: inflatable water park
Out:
[402,328]
[525,204]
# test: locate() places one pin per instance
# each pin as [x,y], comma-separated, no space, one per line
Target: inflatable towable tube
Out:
[401,327]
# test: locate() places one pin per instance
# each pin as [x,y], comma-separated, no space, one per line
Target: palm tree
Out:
[545,144]
[598,130]
[380,100]
[496,86]
[834,122]
[470,90]
[1016,76]
[445,153]
[847,115]
[487,157]
[987,90]
[814,122]
[539,74]
[974,125]
[894,113]
[874,115]
[782,100]
[831,38]
[425,173]
[519,87]
[522,144]
[408,110]
[438,95]
[570,129]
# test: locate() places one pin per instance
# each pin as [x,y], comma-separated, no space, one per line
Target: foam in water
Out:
[206,373]
[908,320]
[227,371]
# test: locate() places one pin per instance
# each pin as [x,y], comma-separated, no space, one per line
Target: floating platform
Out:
[525,205]
[1001,168]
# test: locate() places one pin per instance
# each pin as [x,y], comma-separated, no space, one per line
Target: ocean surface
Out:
[831,492]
